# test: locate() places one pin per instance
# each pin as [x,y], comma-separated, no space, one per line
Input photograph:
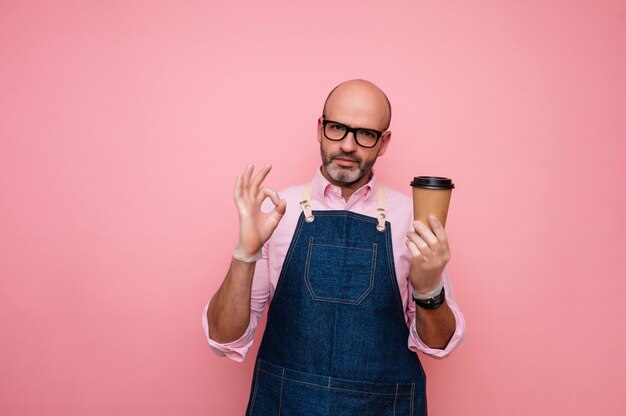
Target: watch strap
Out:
[431,303]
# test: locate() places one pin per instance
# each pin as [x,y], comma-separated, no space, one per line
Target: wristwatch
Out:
[431,303]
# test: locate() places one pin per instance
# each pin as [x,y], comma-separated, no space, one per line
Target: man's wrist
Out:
[431,298]
[432,303]
[241,255]
[428,293]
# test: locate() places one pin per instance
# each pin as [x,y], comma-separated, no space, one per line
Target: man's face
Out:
[346,163]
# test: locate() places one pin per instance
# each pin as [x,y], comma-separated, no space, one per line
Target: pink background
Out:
[124,123]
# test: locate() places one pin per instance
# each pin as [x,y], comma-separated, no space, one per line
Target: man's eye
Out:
[337,127]
[368,134]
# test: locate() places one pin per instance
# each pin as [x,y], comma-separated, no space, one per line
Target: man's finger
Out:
[280,205]
[279,210]
[247,173]
[237,190]
[415,252]
[266,192]
[440,232]
[426,235]
[258,179]
[419,243]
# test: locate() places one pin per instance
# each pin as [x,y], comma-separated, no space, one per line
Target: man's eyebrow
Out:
[352,127]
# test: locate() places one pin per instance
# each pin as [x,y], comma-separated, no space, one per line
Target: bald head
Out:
[360,100]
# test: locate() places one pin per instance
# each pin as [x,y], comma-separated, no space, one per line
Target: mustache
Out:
[345,156]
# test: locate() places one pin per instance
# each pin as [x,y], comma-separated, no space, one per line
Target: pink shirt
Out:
[399,212]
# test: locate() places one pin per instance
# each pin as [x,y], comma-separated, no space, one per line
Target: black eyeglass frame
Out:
[379,134]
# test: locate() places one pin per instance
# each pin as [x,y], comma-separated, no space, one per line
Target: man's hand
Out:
[430,254]
[229,309]
[255,226]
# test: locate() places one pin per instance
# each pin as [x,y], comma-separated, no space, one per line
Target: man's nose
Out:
[348,144]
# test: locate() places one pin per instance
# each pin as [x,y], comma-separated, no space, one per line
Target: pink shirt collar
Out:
[322,190]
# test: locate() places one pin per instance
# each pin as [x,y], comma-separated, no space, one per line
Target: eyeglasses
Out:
[364,137]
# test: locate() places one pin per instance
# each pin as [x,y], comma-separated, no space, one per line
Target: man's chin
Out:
[345,176]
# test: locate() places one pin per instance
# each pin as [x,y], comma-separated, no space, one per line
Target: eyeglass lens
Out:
[364,137]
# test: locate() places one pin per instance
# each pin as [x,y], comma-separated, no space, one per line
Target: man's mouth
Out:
[345,161]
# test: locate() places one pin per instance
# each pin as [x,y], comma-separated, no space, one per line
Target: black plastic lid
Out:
[432,182]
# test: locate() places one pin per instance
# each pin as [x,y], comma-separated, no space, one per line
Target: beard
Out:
[343,175]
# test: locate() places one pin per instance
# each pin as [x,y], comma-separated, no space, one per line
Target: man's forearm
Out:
[229,309]
[435,327]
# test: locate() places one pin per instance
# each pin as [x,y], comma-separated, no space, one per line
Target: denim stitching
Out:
[256,383]
[280,397]
[338,246]
[337,213]
[335,388]
[296,236]
[372,272]
[392,273]
[394,401]
[370,287]
[306,268]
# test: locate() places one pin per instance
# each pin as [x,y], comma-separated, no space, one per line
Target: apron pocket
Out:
[266,394]
[284,392]
[281,391]
[341,272]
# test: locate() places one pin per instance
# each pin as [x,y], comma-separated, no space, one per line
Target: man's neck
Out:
[347,189]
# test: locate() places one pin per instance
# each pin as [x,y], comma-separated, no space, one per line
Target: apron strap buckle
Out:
[306,208]
[381,219]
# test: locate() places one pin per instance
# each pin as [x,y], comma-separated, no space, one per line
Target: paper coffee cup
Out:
[431,196]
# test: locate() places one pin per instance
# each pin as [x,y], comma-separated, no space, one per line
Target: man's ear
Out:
[319,129]
[385,139]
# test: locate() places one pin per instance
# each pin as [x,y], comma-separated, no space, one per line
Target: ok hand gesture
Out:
[255,226]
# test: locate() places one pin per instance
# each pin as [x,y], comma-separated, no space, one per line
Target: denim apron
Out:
[336,336]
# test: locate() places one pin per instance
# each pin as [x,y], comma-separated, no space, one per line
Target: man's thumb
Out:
[280,208]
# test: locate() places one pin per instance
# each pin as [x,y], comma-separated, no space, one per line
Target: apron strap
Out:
[380,209]
[305,204]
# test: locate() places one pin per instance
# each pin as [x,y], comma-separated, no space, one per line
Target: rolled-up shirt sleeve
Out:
[238,349]
[416,344]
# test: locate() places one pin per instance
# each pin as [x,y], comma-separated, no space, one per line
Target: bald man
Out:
[356,286]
